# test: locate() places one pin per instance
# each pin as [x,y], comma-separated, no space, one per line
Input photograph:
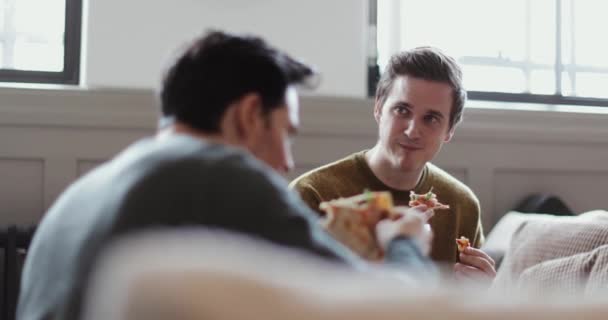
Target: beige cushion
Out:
[598,277]
[499,239]
[568,274]
[220,276]
[554,251]
[216,276]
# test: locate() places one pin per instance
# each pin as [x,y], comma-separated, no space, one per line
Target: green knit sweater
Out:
[352,175]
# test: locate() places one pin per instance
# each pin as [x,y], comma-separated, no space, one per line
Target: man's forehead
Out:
[428,93]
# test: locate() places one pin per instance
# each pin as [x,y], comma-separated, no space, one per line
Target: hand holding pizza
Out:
[366,223]
[473,263]
[412,223]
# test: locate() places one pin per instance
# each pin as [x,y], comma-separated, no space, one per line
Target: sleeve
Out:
[478,239]
[403,252]
[479,236]
[309,195]
[250,198]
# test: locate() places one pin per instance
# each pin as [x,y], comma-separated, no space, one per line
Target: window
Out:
[40,41]
[546,51]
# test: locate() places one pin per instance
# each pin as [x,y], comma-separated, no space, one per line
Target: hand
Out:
[476,265]
[422,209]
[412,223]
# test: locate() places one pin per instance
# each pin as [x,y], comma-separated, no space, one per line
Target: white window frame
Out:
[571,68]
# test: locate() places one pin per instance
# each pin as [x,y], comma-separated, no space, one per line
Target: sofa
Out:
[546,254]
[208,274]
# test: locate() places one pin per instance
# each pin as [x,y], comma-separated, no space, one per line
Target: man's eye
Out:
[432,119]
[401,110]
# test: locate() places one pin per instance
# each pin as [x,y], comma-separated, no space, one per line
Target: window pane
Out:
[542,82]
[34,38]
[584,56]
[2,18]
[542,32]
[589,24]
[592,84]
[38,56]
[497,42]
[485,78]
[39,26]
[41,18]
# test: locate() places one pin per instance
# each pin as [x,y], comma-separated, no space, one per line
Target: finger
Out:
[414,217]
[428,214]
[405,210]
[398,212]
[421,208]
[479,253]
[479,263]
[427,239]
[465,270]
[469,272]
[424,211]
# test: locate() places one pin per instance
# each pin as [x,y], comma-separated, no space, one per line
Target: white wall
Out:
[50,137]
[128,41]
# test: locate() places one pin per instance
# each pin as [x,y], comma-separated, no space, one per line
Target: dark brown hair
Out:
[219,68]
[426,63]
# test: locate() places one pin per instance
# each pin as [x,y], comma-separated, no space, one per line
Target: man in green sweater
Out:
[419,101]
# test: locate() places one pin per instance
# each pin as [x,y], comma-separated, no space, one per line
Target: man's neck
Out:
[391,174]
[178,128]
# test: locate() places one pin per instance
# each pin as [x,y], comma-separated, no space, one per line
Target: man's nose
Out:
[289,164]
[286,165]
[412,131]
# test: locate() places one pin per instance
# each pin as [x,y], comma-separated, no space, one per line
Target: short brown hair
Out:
[426,63]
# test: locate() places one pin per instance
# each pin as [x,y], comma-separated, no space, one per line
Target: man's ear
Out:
[450,134]
[377,111]
[248,115]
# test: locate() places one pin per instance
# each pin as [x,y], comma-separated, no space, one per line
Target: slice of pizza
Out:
[429,199]
[462,243]
[352,221]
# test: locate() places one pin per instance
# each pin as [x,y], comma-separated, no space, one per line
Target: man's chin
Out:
[408,165]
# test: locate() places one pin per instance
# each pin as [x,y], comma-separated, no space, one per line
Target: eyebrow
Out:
[436,113]
[402,104]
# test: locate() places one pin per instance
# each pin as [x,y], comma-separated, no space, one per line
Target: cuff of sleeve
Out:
[404,252]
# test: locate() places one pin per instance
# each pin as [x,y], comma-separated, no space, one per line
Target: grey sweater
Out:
[179,181]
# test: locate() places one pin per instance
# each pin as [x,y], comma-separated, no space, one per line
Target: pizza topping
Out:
[428,199]
[462,243]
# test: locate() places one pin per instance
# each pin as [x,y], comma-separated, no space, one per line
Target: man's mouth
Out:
[410,147]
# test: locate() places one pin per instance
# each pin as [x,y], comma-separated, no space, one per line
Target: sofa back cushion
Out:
[556,251]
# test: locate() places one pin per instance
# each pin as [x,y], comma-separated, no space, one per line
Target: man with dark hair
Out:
[229,106]
[419,101]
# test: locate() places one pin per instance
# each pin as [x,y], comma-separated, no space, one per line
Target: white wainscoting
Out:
[50,137]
